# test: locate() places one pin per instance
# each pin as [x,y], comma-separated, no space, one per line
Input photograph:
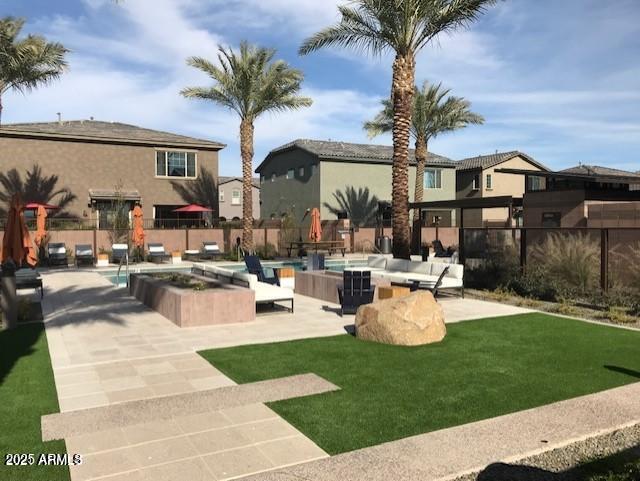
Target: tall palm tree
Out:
[250,83]
[360,205]
[434,113]
[403,27]
[27,63]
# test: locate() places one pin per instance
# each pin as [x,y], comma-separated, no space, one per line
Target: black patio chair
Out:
[254,266]
[118,252]
[84,254]
[157,252]
[440,250]
[57,254]
[355,291]
[210,250]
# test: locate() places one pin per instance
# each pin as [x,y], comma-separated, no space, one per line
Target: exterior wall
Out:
[570,203]
[229,210]
[613,214]
[81,166]
[377,177]
[299,193]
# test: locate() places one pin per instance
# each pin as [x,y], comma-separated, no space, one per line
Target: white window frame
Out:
[437,174]
[234,198]
[489,181]
[221,196]
[475,184]
[301,171]
[166,164]
[292,172]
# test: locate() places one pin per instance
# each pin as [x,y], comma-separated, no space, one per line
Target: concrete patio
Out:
[107,348]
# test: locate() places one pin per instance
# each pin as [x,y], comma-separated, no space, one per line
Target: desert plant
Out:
[118,230]
[496,271]
[267,251]
[572,260]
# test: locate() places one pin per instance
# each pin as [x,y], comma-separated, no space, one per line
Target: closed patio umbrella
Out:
[138,228]
[41,229]
[315,231]
[16,243]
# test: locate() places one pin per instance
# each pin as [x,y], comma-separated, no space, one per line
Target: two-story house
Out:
[230,198]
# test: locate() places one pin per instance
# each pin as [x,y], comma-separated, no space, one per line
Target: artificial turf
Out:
[482,369]
[27,391]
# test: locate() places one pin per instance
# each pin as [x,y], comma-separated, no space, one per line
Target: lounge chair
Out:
[355,291]
[157,252]
[439,249]
[84,254]
[57,253]
[210,250]
[118,252]
[29,279]
[255,267]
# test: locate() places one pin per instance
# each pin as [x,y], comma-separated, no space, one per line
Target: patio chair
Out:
[118,252]
[29,279]
[57,254]
[157,252]
[254,266]
[84,254]
[439,249]
[433,289]
[210,250]
[355,291]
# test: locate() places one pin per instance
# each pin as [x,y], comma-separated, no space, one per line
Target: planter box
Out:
[102,260]
[323,285]
[219,304]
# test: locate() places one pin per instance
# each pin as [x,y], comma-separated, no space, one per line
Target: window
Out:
[262,179]
[551,219]
[535,183]
[273,177]
[221,196]
[235,197]
[476,182]
[176,164]
[489,182]
[301,172]
[290,174]
[433,179]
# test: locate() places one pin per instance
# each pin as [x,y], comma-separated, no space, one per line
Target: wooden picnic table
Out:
[329,246]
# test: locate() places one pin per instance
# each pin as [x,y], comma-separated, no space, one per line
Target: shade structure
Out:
[16,243]
[138,227]
[315,230]
[41,226]
[37,205]
[193,208]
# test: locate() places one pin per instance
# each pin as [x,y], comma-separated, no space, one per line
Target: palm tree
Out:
[250,84]
[403,27]
[35,187]
[434,113]
[360,205]
[28,63]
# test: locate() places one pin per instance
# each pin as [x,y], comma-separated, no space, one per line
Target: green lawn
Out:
[482,369]
[27,391]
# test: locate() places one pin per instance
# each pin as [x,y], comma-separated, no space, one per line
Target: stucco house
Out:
[479,177]
[230,198]
[307,173]
[97,161]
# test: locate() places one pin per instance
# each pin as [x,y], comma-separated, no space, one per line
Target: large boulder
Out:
[411,320]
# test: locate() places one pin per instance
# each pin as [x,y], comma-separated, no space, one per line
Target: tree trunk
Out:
[0,109]
[246,152]
[402,96]
[421,160]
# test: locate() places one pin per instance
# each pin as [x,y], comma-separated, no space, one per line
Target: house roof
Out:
[104,132]
[488,161]
[225,180]
[349,152]
[597,170]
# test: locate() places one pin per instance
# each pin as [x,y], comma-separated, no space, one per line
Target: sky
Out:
[558,80]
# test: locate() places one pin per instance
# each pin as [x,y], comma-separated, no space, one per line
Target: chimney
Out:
[59,118]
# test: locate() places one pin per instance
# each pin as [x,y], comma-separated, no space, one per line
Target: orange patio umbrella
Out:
[16,243]
[315,231]
[138,227]
[41,229]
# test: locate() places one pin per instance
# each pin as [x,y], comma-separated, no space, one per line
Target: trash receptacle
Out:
[384,244]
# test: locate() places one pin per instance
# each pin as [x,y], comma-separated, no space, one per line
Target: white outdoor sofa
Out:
[403,271]
[265,293]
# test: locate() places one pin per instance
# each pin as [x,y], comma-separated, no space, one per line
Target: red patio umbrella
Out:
[193,208]
[35,205]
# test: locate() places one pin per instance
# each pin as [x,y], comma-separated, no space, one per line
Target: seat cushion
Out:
[419,267]
[268,292]
[376,262]
[84,252]
[156,249]
[397,265]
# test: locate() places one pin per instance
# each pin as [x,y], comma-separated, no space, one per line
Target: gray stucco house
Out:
[230,198]
[306,173]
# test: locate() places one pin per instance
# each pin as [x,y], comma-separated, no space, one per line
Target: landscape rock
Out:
[411,320]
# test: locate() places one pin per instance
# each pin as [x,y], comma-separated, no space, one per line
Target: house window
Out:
[221,196]
[290,174]
[489,182]
[433,179]
[301,172]
[536,183]
[476,182]
[176,164]
[273,177]
[235,197]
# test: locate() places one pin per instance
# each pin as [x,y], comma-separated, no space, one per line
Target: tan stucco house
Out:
[307,173]
[96,159]
[230,198]
[479,178]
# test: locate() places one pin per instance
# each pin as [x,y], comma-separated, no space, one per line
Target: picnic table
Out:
[329,246]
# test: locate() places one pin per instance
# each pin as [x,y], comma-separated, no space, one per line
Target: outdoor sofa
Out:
[419,274]
[265,293]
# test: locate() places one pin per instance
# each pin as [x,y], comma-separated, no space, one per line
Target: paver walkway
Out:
[108,348]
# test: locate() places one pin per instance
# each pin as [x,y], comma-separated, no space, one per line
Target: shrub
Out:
[535,283]
[496,271]
[267,251]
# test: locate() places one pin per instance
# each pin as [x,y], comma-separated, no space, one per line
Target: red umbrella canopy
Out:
[35,205]
[193,208]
